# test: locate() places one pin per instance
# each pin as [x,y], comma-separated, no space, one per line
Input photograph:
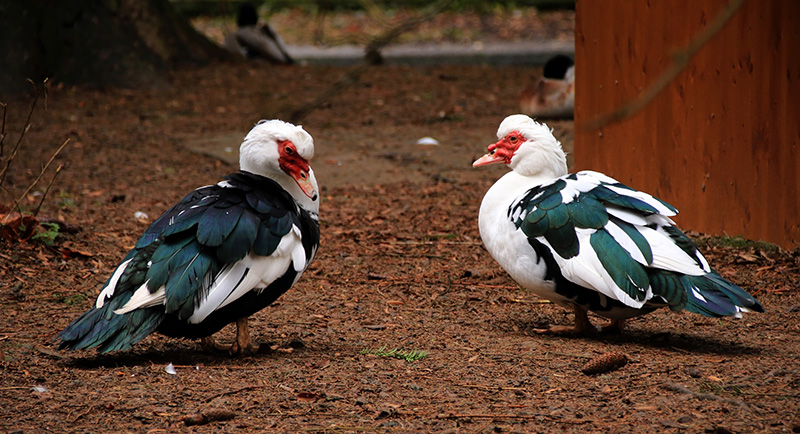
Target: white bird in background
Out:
[255,42]
[552,96]
[589,243]
[221,254]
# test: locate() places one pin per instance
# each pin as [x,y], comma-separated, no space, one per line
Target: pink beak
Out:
[488,159]
[305,184]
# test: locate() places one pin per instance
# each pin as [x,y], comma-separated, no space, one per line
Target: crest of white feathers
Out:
[259,149]
[541,154]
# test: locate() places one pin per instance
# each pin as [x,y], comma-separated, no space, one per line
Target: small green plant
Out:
[48,235]
[735,242]
[397,353]
[74,299]
[739,242]
[717,388]
[65,201]
[69,300]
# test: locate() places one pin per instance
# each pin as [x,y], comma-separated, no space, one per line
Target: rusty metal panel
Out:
[720,142]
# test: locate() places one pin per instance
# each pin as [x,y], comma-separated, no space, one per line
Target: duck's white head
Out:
[277,150]
[527,147]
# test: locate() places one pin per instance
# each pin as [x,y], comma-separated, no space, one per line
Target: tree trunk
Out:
[104,43]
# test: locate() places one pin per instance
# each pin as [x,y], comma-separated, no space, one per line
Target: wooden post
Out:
[720,142]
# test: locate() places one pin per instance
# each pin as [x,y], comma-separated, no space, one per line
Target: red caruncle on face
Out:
[295,166]
[507,146]
[291,162]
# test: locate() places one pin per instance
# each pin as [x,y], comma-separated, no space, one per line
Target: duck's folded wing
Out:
[208,250]
[605,236]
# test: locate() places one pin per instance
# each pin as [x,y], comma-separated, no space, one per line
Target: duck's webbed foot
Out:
[582,327]
[241,346]
[614,326]
[208,343]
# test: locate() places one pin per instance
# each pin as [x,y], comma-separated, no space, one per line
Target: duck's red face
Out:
[296,166]
[502,150]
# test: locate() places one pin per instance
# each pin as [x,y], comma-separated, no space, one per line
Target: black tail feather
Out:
[103,329]
[713,296]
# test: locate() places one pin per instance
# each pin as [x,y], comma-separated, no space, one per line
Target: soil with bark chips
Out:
[401,266]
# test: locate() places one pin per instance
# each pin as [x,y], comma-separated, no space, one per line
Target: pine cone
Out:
[605,363]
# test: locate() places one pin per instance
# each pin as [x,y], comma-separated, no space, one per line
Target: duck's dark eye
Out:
[513,139]
[288,150]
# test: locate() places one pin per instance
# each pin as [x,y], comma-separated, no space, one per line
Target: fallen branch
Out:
[433,243]
[485,387]
[680,59]
[492,416]
[82,414]
[51,353]
[674,387]
[208,416]
[409,281]
[508,416]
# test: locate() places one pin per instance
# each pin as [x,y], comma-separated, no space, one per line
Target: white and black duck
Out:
[589,243]
[221,254]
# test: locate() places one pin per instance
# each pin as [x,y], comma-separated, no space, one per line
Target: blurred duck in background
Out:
[254,42]
[553,96]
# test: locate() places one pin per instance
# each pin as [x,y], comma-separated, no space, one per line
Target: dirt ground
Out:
[400,265]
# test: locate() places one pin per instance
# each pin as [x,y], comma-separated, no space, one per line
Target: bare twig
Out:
[39,177]
[387,281]
[432,243]
[47,190]
[80,415]
[485,387]
[10,157]
[51,353]
[372,57]
[344,428]
[208,416]
[509,416]
[680,59]
[3,131]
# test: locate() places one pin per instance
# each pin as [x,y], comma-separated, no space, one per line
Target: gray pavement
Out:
[531,53]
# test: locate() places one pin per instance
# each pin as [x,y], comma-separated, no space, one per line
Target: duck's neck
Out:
[494,224]
[544,161]
[509,187]
[291,187]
